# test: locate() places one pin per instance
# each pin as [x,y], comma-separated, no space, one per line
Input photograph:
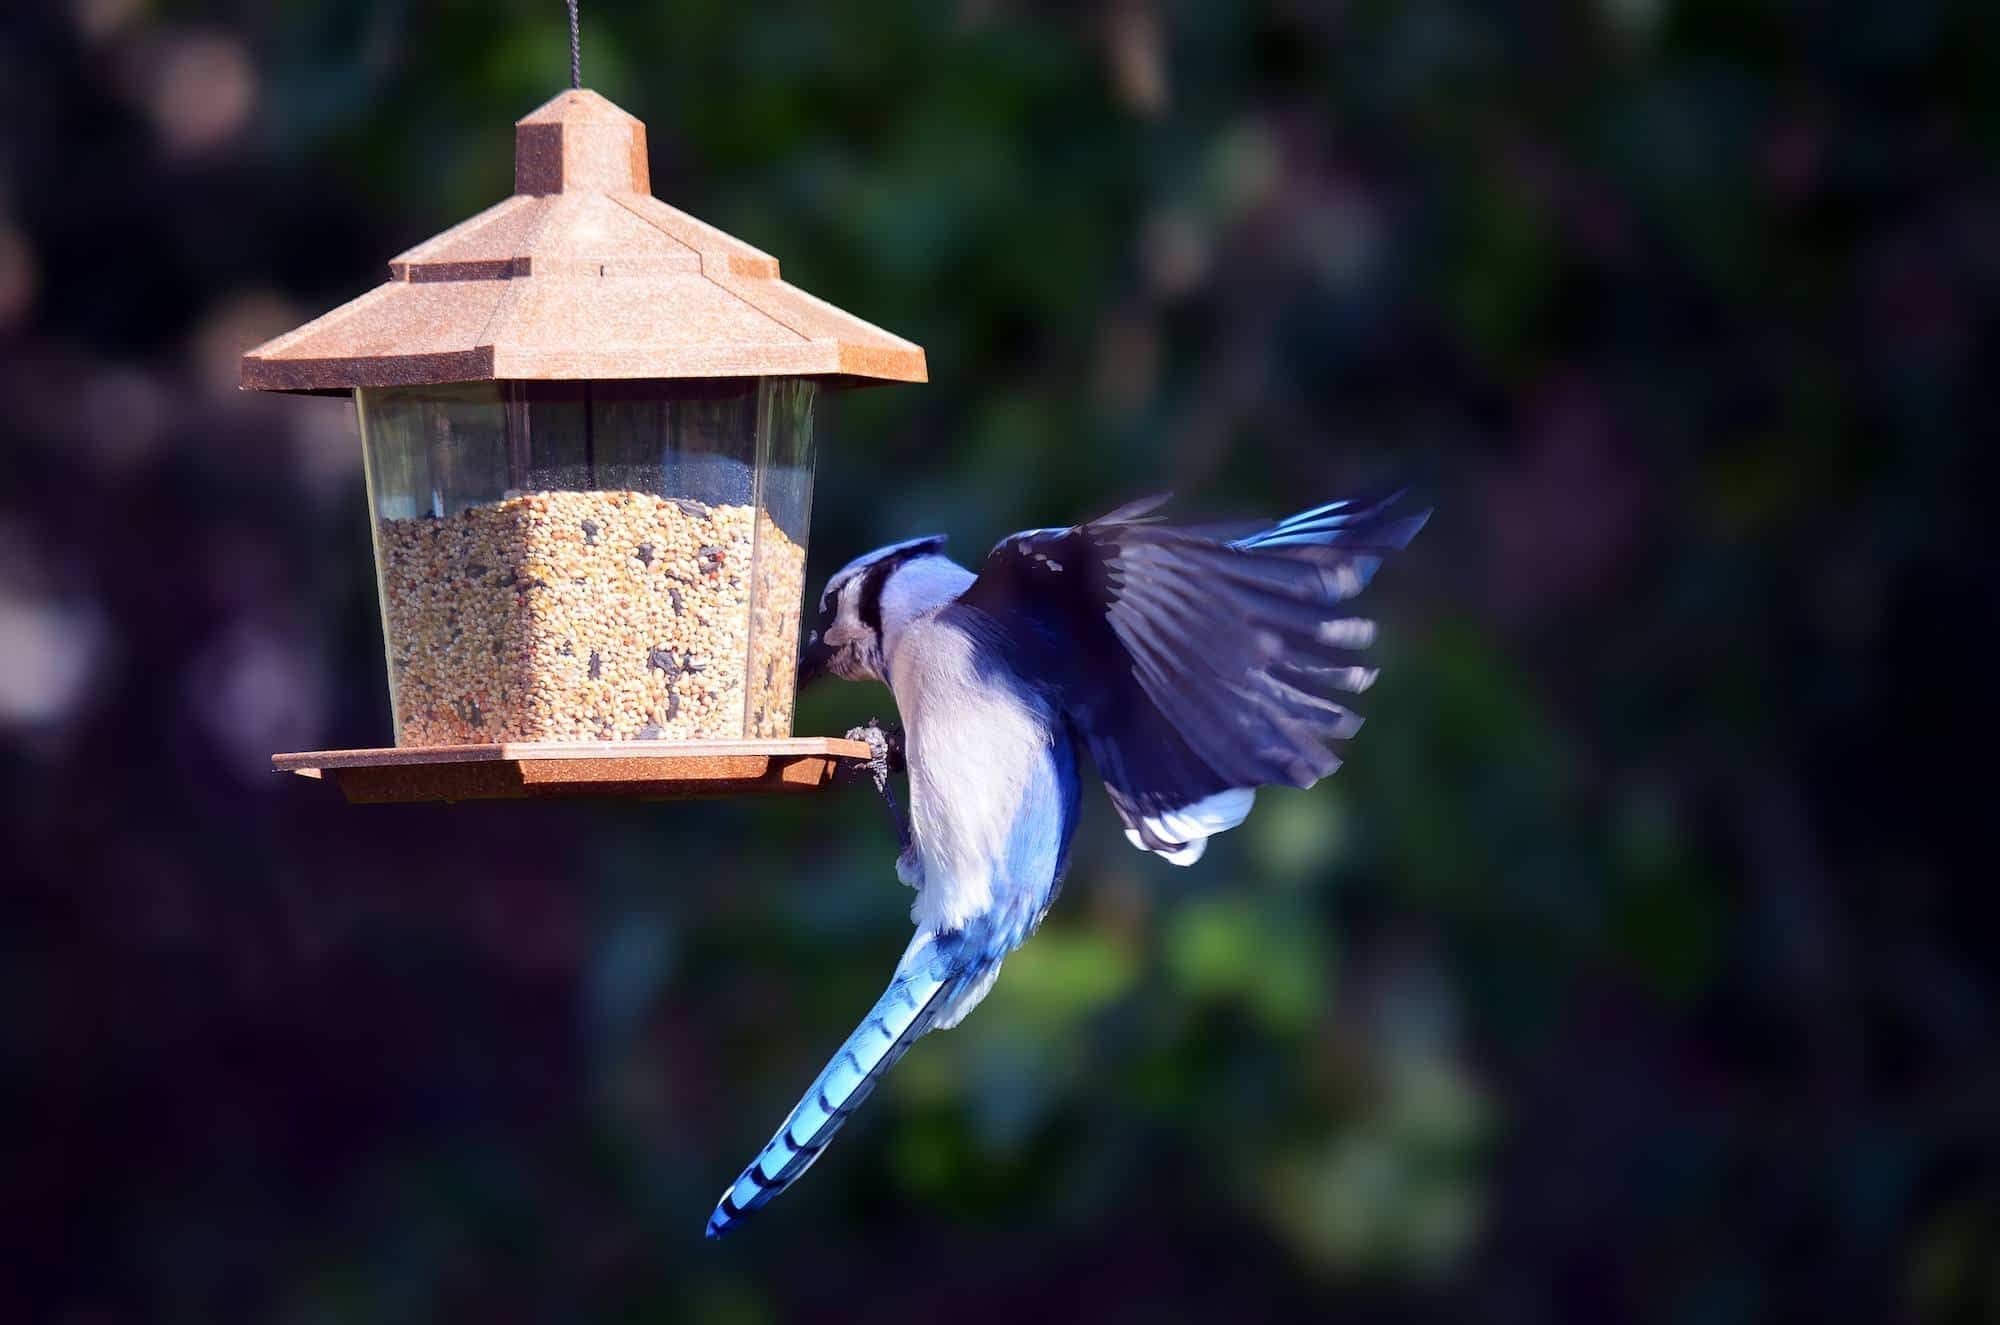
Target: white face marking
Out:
[857,652]
[907,580]
[854,569]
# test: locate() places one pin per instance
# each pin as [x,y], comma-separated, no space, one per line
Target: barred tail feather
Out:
[914,1000]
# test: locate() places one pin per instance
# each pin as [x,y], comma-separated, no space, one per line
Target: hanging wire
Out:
[575,49]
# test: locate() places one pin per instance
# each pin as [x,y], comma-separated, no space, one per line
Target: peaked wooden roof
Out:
[582,273]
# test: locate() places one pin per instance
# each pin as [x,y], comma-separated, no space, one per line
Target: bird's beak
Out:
[814,659]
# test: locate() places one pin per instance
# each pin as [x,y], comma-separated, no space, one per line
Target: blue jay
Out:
[1193,669]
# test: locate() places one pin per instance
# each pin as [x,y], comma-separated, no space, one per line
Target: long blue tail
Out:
[922,989]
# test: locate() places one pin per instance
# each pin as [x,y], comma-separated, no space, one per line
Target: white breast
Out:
[972,747]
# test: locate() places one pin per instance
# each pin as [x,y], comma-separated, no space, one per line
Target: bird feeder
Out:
[587,423]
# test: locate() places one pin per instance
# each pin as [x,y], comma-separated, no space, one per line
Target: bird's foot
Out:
[886,745]
[886,757]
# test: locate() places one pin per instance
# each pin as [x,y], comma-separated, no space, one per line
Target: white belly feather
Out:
[972,747]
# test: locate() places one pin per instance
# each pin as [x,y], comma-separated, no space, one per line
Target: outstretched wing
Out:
[1195,669]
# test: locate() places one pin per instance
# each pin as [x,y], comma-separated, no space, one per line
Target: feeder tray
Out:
[531,770]
[587,427]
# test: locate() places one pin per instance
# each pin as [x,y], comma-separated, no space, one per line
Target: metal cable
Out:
[575,49]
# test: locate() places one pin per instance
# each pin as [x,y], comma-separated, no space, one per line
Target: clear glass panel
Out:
[784,509]
[589,561]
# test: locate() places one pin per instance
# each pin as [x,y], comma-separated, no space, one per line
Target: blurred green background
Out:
[1638,966]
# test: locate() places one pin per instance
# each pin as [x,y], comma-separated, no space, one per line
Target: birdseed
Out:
[564,616]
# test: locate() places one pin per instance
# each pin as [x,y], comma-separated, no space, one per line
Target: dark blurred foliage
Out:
[1639,965]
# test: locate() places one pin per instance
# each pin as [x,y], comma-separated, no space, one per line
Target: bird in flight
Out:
[1193,669]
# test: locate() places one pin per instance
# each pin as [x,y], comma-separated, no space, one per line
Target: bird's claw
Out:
[885,747]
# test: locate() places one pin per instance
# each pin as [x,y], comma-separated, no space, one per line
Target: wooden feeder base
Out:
[639,770]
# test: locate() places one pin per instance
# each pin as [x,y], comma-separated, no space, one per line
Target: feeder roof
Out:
[581,274]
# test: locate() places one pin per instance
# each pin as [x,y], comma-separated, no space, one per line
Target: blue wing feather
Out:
[1192,667]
